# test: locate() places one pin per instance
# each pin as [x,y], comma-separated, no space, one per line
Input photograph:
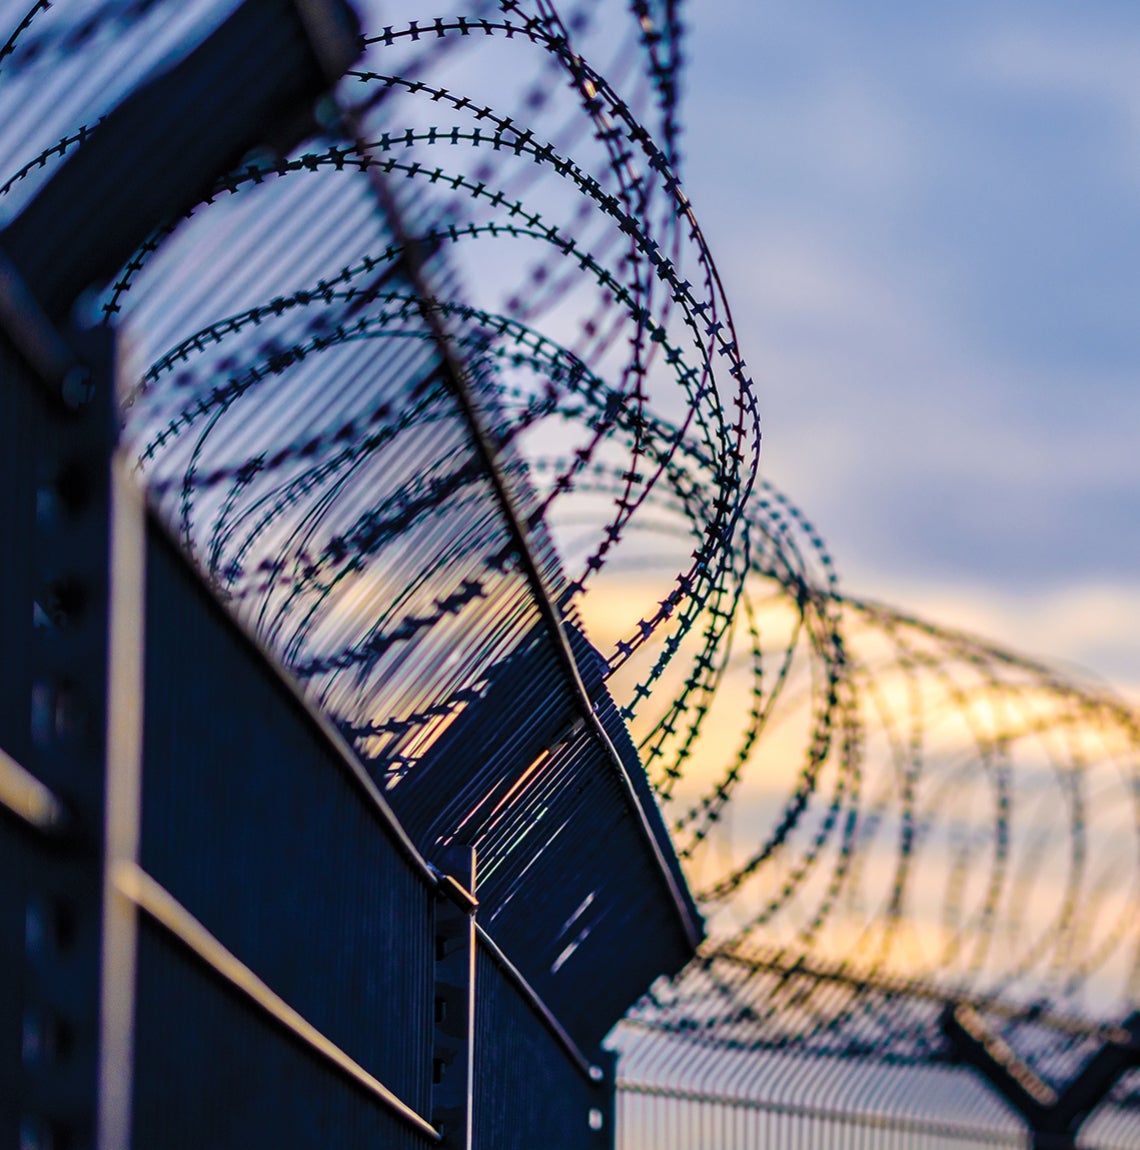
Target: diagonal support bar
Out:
[1054,1117]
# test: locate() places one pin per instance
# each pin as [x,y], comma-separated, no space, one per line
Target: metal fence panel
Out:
[679,1093]
[254,822]
[654,1119]
[529,1090]
[210,1071]
[565,879]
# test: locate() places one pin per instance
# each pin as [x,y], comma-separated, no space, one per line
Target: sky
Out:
[927,218]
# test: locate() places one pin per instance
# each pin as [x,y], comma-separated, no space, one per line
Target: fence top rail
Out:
[783,963]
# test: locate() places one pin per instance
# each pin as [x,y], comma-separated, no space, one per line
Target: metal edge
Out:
[29,799]
[126,645]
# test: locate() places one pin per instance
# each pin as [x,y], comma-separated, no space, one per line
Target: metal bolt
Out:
[77,389]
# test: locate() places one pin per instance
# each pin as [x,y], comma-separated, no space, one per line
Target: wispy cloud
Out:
[928,224]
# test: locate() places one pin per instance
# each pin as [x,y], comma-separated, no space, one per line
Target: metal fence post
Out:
[55,584]
[603,1115]
[453,1047]
[1054,1117]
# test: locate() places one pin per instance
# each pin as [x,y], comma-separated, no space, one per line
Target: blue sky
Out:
[928,221]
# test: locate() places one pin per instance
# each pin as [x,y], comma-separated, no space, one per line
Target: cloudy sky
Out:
[928,221]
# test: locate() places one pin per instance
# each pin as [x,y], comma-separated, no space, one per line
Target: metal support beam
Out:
[59,586]
[603,1116]
[1054,1117]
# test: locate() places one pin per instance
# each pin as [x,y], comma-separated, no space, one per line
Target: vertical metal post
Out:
[125,695]
[62,582]
[603,1113]
[453,1046]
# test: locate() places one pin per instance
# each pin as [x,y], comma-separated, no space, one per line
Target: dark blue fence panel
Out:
[586,896]
[255,823]
[22,428]
[15,862]
[531,1091]
[212,1071]
[569,882]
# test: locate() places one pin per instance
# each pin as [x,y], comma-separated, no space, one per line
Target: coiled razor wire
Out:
[845,783]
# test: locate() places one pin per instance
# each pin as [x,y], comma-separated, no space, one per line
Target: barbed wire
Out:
[841,778]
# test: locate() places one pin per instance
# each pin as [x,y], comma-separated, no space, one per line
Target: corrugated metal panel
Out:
[680,1093]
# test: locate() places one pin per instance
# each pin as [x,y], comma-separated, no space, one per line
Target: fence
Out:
[676,1119]
[658,1117]
[868,1061]
[222,783]
[236,895]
